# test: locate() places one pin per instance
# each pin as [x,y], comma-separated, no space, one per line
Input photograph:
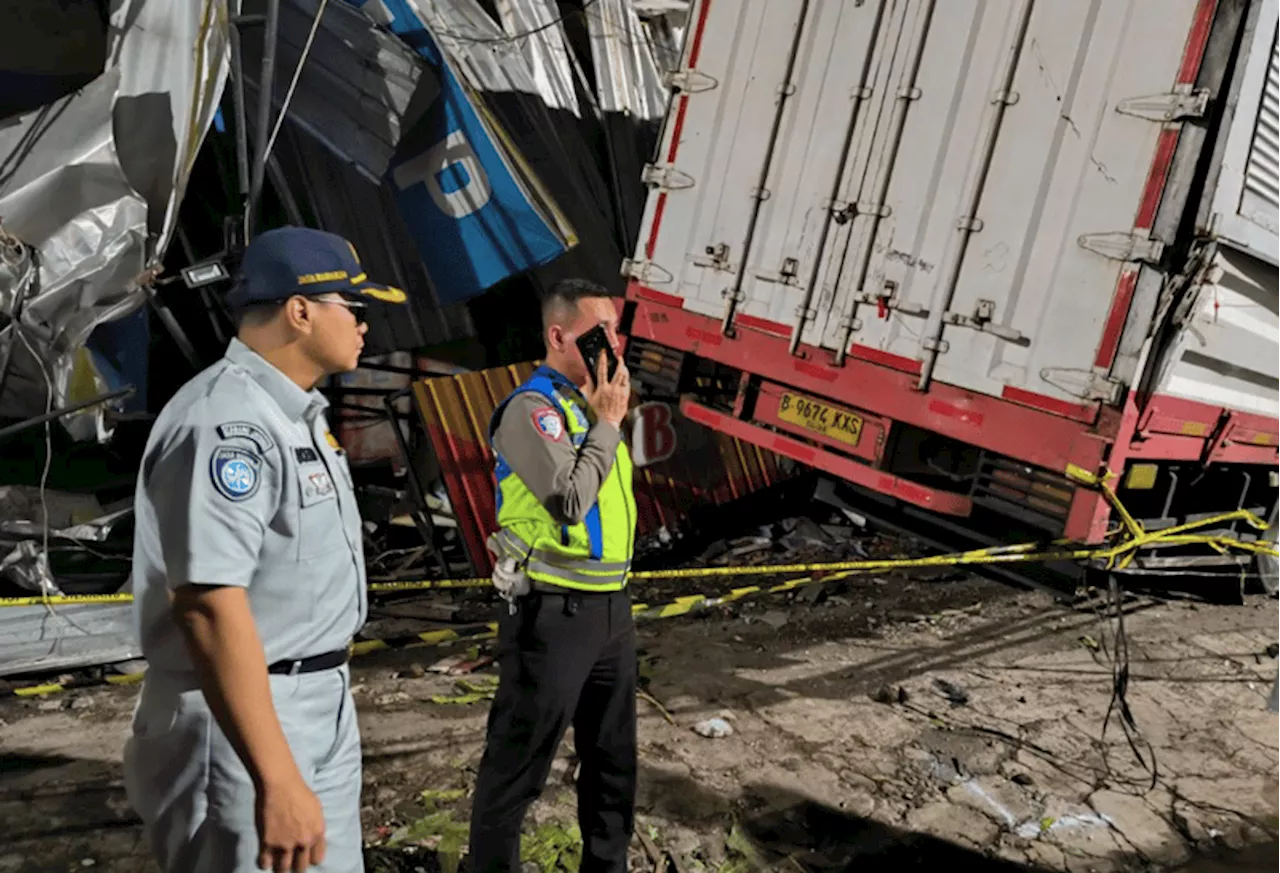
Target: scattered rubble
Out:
[960,722]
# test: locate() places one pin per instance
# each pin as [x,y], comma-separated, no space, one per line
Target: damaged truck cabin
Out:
[949,252]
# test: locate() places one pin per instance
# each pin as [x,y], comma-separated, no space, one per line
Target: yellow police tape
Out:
[1118,556]
[1133,538]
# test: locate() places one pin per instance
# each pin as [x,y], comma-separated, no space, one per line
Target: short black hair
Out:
[563,296]
[256,314]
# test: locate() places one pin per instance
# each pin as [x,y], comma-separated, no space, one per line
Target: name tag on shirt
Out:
[306,455]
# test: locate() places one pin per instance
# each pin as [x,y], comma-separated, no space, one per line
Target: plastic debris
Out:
[713,729]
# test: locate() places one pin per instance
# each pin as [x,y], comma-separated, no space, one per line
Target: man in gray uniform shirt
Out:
[249,583]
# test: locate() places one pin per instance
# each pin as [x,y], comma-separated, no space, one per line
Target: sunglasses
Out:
[356,308]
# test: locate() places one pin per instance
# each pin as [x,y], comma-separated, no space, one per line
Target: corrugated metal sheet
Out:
[541,41]
[353,102]
[1229,355]
[627,77]
[1240,203]
[38,638]
[94,182]
[342,198]
[354,91]
[707,468]
[1262,173]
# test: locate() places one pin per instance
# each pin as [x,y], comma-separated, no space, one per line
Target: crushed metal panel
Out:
[627,77]
[173,59]
[345,200]
[1242,199]
[68,196]
[631,98]
[359,90]
[462,185]
[39,638]
[665,23]
[93,182]
[355,91]
[546,155]
[704,467]
[535,27]
[1229,353]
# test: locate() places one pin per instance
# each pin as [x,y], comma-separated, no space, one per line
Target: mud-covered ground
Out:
[879,723]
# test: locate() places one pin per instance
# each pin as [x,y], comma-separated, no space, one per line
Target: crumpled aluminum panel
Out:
[39,638]
[627,77]
[541,40]
[93,182]
[68,196]
[355,89]
[552,158]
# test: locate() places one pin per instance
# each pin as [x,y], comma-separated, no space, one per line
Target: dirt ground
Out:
[880,723]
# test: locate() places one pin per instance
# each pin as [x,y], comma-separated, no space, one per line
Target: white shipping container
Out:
[988,193]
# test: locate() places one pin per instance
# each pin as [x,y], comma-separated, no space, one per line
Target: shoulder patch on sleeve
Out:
[236,472]
[548,422]
[244,430]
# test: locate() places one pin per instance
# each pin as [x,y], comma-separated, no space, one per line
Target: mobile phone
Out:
[592,344]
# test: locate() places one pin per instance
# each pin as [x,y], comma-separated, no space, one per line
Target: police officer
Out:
[566,518]
[249,583]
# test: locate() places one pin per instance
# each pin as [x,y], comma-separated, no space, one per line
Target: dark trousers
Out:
[563,659]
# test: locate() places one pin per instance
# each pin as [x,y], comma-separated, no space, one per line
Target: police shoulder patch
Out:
[548,422]
[236,472]
[244,430]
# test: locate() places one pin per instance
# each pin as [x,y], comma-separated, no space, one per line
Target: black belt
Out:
[327,661]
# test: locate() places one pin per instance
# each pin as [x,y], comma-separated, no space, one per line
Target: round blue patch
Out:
[235,472]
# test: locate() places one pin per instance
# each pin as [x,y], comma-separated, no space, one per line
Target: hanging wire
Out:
[293,84]
[515,36]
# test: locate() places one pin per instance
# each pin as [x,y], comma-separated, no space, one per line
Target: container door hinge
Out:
[1173,106]
[1123,246]
[689,81]
[666,177]
[645,271]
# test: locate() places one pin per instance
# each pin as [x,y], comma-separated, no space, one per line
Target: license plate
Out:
[831,422]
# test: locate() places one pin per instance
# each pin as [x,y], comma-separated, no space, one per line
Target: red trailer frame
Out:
[881,387]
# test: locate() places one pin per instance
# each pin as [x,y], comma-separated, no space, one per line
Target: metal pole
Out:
[171,325]
[281,183]
[422,515]
[266,89]
[66,410]
[241,116]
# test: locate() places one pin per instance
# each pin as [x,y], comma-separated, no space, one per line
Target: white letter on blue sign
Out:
[427,169]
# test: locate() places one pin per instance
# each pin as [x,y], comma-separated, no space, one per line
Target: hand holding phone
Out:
[609,394]
[594,343]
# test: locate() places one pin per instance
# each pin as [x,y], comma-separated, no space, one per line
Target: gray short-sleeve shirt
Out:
[242,484]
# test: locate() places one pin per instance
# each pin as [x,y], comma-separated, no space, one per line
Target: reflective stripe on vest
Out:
[593,555]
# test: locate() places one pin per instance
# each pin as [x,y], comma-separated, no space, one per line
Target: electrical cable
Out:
[515,36]
[1119,691]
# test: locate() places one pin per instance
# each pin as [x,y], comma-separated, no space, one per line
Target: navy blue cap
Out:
[287,261]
